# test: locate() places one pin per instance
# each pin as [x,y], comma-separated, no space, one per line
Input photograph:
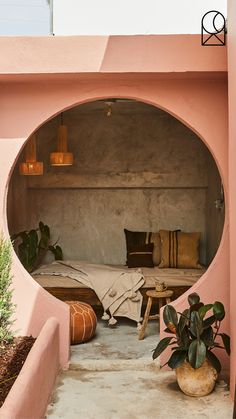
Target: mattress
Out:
[171,276]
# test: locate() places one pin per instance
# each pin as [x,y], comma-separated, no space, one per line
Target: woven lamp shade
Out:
[61,157]
[83,322]
[31,167]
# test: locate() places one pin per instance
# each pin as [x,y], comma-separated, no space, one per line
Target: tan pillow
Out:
[156,255]
[179,250]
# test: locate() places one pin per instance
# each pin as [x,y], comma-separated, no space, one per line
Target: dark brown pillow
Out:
[136,238]
[140,256]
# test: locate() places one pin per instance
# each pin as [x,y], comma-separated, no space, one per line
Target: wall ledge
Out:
[30,394]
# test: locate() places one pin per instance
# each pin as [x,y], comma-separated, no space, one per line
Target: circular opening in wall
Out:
[120,164]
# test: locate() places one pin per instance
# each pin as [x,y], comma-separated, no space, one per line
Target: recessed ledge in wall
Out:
[117,180]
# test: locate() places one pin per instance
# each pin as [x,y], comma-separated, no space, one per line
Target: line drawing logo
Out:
[213,29]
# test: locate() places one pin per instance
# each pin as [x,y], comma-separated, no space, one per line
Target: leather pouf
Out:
[83,322]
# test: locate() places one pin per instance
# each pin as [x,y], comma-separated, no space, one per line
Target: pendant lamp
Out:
[31,167]
[61,157]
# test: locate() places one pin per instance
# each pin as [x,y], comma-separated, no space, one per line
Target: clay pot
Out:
[196,382]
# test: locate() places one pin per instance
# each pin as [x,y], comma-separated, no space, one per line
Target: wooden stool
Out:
[153,294]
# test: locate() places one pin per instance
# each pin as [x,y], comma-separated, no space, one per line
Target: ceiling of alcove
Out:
[124,106]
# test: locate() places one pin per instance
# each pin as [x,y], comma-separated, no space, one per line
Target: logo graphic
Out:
[213,31]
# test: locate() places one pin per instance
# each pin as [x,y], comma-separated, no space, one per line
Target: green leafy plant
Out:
[6,305]
[34,245]
[195,335]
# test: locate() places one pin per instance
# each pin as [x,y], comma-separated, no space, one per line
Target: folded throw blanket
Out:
[116,288]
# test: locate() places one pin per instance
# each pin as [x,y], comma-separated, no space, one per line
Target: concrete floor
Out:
[113,377]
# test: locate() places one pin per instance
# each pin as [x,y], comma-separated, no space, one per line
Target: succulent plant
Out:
[33,246]
[194,334]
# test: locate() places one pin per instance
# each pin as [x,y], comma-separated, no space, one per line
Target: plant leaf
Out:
[162,345]
[218,310]
[207,336]
[177,359]
[23,255]
[196,307]
[193,298]
[197,353]
[209,321]
[183,320]
[184,339]
[212,358]
[44,241]
[204,309]
[226,342]
[169,331]
[170,317]
[24,236]
[196,324]
[57,252]
[41,225]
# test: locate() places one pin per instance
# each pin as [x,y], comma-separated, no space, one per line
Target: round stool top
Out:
[157,294]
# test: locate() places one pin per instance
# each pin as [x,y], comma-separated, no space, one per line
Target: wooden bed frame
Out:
[87,295]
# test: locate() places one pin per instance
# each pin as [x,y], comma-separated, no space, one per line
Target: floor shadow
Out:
[173,386]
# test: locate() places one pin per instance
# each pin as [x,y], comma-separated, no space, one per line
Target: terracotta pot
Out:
[196,382]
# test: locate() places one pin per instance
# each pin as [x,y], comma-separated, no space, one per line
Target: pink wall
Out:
[232,184]
[32,389]
[111,54]
[197,99]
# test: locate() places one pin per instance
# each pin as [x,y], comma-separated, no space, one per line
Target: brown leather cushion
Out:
[83,321]
[136,238]
[179,250]
[141,255]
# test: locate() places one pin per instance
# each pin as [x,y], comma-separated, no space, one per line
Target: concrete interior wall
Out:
[139,169]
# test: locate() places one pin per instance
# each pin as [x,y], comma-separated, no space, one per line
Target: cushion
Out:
[140,255]
[83,321]
[156,255]
[179,250]
[136,238]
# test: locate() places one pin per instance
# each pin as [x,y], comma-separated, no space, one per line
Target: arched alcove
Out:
[135,167]
[183,99]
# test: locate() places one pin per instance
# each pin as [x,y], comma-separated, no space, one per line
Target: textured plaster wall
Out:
[139,169]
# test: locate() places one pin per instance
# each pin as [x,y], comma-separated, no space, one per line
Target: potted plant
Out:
[34,245]
[194,336]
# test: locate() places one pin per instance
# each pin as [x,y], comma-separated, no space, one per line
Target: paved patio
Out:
[113,377]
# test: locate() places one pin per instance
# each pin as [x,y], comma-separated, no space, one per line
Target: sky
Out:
[105,17]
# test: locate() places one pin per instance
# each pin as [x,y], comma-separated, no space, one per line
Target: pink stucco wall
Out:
[232,184]
[32,389]
[189,89]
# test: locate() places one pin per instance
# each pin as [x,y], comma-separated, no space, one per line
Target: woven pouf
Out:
[83,322]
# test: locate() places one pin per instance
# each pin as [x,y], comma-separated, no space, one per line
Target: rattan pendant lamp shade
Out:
[31,167]
[61,157]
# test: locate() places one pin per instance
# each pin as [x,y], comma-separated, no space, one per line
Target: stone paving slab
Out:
[114,377]
[132,395]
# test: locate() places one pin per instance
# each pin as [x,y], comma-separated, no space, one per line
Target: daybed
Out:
[169,256]
[66,288]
